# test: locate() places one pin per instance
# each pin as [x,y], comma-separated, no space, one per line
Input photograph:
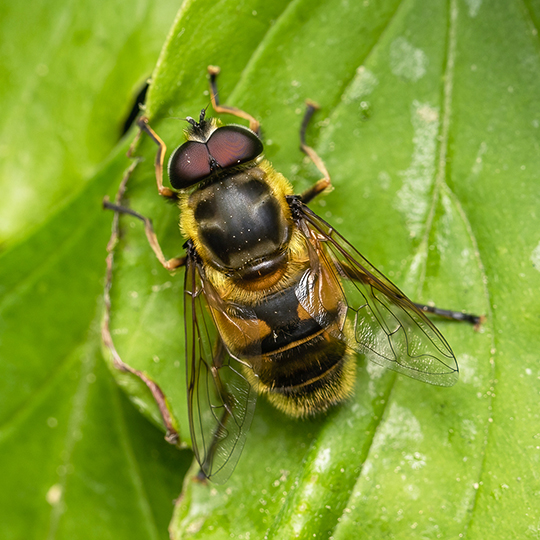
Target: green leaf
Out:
[76,459]
[429,127]
[69,76]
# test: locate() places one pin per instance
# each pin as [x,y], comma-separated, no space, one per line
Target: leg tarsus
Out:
[354,274]
[325,181]
[254,125]
[475,320]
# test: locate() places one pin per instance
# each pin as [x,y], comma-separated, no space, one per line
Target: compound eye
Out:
[232,145]
[189,164]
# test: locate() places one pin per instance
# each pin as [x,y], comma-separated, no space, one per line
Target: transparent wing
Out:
[381,322]
[221,400]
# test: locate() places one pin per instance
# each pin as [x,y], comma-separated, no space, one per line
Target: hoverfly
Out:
[276,301]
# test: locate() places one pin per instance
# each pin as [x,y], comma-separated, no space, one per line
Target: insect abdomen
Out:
[304,368]
[310,377]
[302,364]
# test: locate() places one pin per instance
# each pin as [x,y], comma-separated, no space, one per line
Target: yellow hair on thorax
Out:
[226,286]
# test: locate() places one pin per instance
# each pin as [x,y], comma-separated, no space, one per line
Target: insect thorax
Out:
[240,223]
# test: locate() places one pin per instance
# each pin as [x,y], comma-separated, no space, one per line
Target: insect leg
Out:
[476,320]
[325,181]
[213,72]
[169,264]
[142,122]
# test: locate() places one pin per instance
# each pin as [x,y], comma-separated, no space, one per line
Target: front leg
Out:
[166,192]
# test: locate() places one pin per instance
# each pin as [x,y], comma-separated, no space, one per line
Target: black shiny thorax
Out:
[241,223]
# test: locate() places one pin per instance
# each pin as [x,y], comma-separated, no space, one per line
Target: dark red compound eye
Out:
[227,146]
[189,164]
[232,145]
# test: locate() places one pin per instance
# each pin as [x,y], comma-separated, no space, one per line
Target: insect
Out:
[276,301]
